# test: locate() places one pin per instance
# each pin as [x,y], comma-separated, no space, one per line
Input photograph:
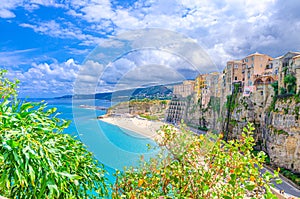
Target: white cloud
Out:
[228,29]
[7,6]
[47,79]
[88,77]
[92,11]
[15,58]
[55,29]
[4,13]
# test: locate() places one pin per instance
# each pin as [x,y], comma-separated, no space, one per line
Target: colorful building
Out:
[185,89]
[253,65]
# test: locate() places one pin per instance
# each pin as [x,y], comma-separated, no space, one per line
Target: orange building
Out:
[254,65]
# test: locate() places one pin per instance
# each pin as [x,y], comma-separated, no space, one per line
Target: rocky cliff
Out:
[277,126]
[137,107]
[282,134]
[277,123]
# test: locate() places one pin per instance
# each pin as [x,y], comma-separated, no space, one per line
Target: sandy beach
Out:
[140,126]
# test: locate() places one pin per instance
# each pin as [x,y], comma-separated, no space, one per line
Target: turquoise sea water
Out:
[112,146]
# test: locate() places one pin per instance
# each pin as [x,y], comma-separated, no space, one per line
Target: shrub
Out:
[290,82]
[191,166]
[36,159]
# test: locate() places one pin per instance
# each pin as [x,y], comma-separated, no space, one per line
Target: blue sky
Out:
[45,43]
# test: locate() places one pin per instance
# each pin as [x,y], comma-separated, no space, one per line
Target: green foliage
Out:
[290,82]
[296,112]
[280,132]
[165,102]
[191,166]
[202,128]
[290,175]
[214,103]
[275,87]
[149,117]
[283,91]
[36,159]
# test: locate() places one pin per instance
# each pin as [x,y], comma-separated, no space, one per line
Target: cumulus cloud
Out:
[222,29]
[6,8]
[88,77]
[44,79]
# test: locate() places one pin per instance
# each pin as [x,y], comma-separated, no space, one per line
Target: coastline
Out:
[140,126]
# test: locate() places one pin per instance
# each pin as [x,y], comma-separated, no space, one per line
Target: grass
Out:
[149,117]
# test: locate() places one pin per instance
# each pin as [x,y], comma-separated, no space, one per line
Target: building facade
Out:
[185,89]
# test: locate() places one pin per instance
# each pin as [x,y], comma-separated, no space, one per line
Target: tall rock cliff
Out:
[277,123]
[282,134]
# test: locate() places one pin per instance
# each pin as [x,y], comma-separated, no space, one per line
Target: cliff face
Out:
[277,130]
[137,107]
[282,134]
[204,117]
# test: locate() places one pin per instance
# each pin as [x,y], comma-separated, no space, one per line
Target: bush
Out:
[191,166]
[36,159]
[290,82]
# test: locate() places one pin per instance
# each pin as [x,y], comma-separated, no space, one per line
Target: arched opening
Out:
[269,80]
[258,82]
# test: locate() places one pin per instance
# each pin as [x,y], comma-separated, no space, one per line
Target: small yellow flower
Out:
[201,137]
[252,178]
[140,183]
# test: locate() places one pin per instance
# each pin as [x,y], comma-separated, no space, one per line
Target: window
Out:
[236,66]
[252,58]
[235,78]
[261,92]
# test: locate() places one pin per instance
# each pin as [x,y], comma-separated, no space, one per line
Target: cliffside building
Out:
[185,89]
[176,110]
[253,65]
[288,66]
[233,73]
[296,64]
[200,84]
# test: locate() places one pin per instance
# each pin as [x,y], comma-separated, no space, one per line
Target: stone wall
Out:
[282,134]
[277,131]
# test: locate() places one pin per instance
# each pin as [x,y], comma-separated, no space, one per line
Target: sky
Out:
[58,47]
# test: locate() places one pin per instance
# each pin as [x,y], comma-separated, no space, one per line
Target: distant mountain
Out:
[153,92]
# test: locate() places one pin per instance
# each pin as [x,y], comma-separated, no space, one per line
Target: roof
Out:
[296,57]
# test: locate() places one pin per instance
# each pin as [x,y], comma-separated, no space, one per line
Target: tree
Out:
[191,166]
[275,87]
[36,159]
[290,82]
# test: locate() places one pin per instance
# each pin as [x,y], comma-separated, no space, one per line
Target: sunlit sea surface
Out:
[114,147]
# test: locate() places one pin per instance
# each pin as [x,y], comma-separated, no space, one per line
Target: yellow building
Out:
[200,85]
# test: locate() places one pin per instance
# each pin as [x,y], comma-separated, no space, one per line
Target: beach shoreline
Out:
[140,126]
